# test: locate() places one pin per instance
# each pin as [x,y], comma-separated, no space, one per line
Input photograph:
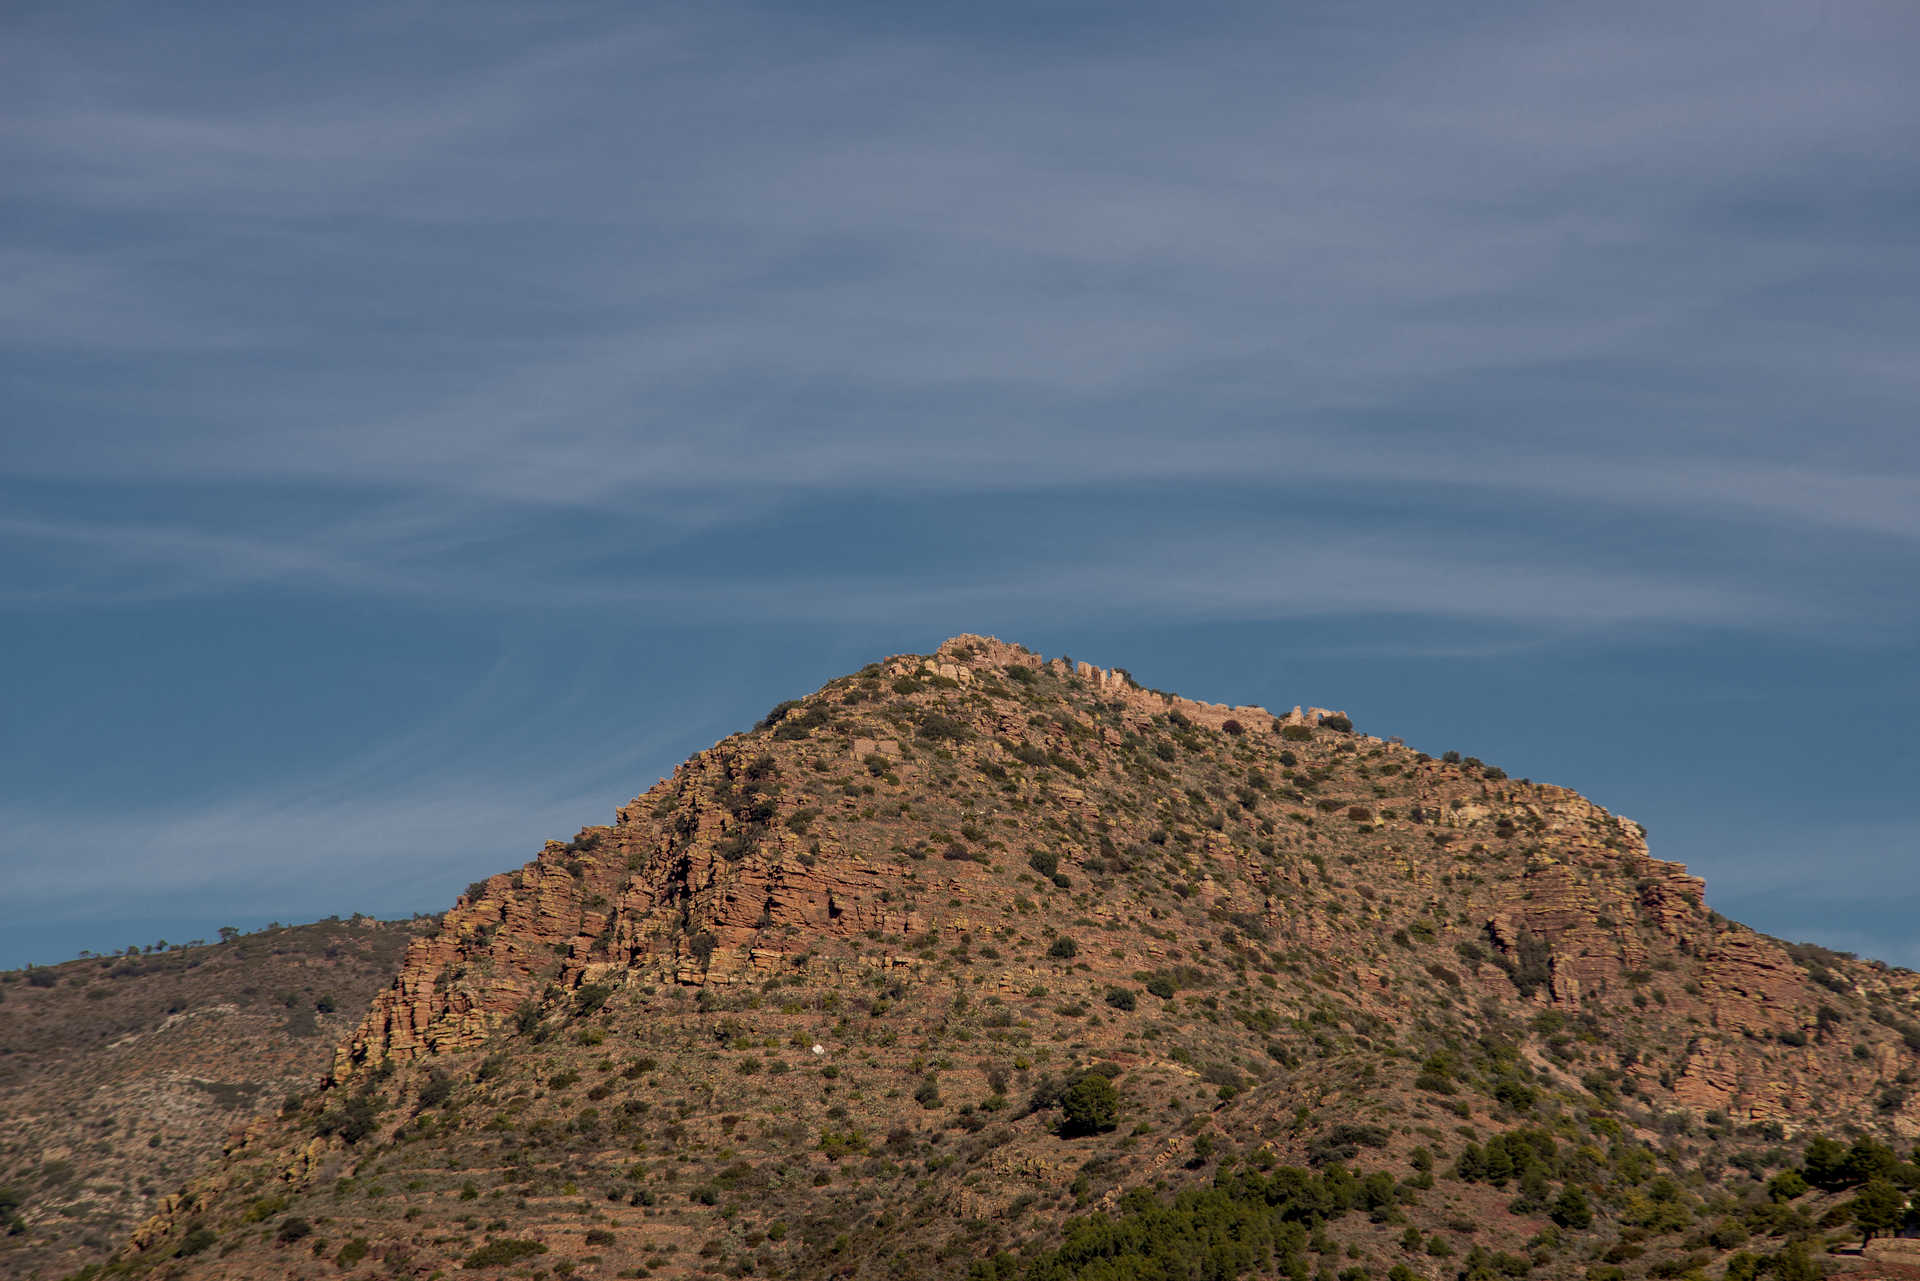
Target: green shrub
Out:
[1571,1209]
[352,1252]
[1044,862]
[1063,949]
[293,1228]
[196,1240]
[740,843]
[1532,964]
[1089,1105]
[835,1144]
[1121,998]
[498,1254]
[800,725]
[1245,1223]
[353,1120]
[1786,1185]
[1162,986]
[437,1089]
[1793,1264]
[1343,1142]
[937,727]
[260,1210]
[778,714]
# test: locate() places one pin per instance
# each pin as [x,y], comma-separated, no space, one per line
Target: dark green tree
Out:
[1868,1160]
[1571,1209]
[1824,1164]
[1794,1264]
[1089,1105]
[1879,1207]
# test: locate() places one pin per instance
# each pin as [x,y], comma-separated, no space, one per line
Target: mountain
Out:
[979,964]
[122,1075]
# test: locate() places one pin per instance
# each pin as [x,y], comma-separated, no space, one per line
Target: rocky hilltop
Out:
[980,962]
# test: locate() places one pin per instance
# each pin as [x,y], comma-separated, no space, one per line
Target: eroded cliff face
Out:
[1255,917]
[685,887]
[727,873]
[691,887]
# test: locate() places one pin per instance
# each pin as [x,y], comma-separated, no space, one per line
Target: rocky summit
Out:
[983,965]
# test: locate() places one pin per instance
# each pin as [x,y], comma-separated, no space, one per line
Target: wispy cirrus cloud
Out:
[1232,569]
[1543,327]
[721,241]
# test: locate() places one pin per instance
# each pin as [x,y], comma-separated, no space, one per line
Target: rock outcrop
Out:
[951,882]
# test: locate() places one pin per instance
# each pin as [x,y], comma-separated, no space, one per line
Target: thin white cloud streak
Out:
[1839,862]
[1237,573]
[479,782]
[701,271]
[100,302]
[220,849]
[103,139]
[1057,236]
[1287,200]
[1841,884]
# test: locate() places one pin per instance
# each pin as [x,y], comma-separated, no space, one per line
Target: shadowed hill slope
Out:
[983,962]
[122,1075]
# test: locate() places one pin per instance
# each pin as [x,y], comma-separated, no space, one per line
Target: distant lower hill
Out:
[977,964]
[121,1076]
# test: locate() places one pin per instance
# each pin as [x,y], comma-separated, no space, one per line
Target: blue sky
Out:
[423,425]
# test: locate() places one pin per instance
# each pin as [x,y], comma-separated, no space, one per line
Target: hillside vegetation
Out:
[982,965]
[121,1076]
